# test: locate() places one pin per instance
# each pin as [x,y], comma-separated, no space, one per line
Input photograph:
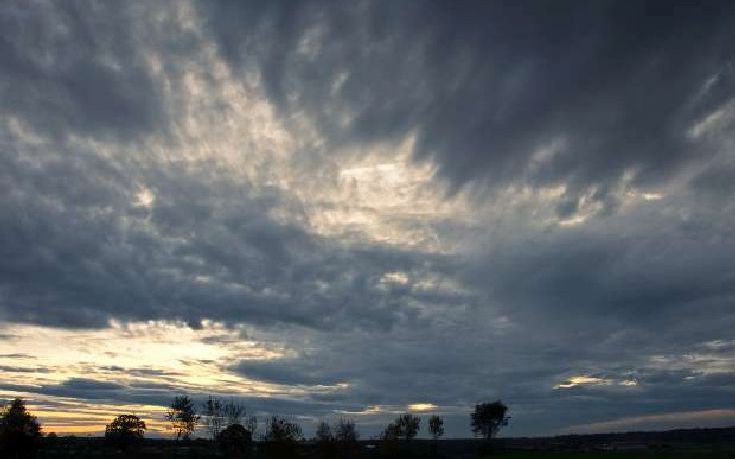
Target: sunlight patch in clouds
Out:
[422,407]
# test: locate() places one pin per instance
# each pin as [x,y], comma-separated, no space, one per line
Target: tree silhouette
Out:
[281,429]
[323,432]
[281,437]
[488,418]
[346,431]
[125,430]
[182,416]
[408,425]
[235,440]
[214,417]
[346,436]
[233,413]
[389,440]
[436,427]
[325,440]
[392,432]
[20,433]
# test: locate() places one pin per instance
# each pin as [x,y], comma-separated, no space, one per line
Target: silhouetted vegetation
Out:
[234,413]
[19,431]
[346,431]
[183,417]
[408,426]
[214,417]
[20,437]
[404,427]
[436,429]
[324,441]
[281,437]
[124,431]
[323,433]
[235,440]
[488,418]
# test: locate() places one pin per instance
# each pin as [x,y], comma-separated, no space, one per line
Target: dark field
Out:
[678,444]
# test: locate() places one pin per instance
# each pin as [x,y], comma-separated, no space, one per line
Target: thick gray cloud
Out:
[486,85]
[589,266]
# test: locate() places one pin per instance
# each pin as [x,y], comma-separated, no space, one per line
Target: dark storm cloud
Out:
[487,84]
[607,88]
[67,261]
[77,67]
[285,371]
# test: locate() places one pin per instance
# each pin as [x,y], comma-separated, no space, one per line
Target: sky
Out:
[356,209]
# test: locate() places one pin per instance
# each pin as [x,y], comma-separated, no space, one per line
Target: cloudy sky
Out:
[360,208]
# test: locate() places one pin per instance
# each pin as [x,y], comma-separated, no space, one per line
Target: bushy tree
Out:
[488,418]
[125,430]
[392,432]
[346,431]
[281,429]
[389,440]
[235,440]
[20,433]
[436,427]
[323,433]
[281,436]
[182,416]
[325,441]
[408,425]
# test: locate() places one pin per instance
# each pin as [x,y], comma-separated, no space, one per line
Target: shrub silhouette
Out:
[235,440]
[325,441]
[346,436]
[125,430]
[408,426]
[323,433]
[281,437]
[346,431]
[389,445]
[436,429]
[488,418]
[20,433]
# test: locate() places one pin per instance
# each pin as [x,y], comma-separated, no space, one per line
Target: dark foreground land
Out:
[675,444]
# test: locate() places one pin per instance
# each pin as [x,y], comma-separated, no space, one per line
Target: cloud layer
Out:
[347,210]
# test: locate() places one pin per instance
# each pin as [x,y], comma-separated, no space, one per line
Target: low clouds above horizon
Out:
[349,209]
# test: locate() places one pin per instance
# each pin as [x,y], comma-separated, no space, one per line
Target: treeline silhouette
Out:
[236,434]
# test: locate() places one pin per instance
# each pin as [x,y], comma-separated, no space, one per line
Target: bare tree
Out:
[252,425]
[233,412]
[214,417]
